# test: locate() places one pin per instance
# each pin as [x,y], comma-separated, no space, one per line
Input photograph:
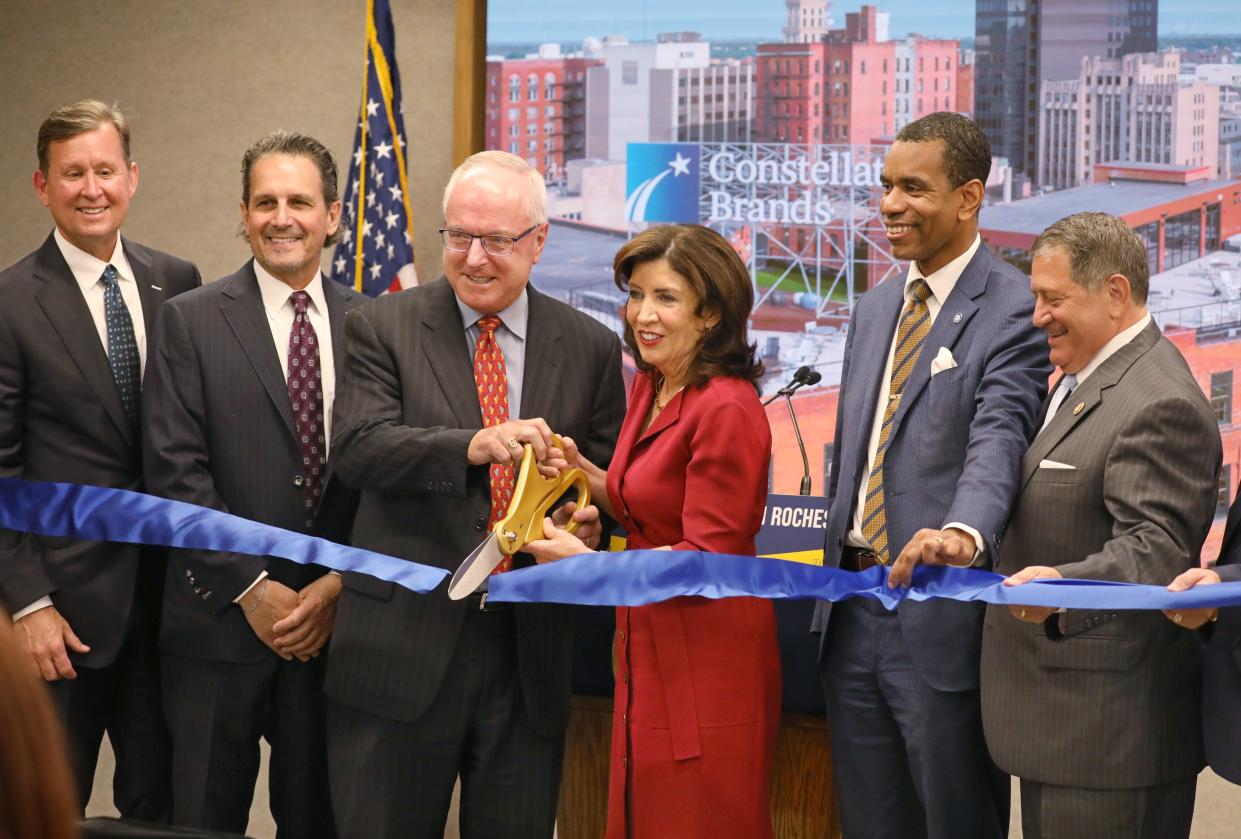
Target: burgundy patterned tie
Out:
[306,397]
[491,379]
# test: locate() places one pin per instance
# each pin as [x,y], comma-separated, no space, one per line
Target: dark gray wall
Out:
[201,79]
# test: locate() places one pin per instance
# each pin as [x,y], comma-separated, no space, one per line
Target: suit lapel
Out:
[444,344]
[151,294]
[540,381]
[244,313]
[1084,400]
[337,307]
[870,352]
[954,313]
[62,301]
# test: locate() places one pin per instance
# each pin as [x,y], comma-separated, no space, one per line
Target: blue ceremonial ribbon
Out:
[636,578]
[119,515]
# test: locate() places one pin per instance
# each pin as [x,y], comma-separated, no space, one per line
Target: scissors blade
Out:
[476,568]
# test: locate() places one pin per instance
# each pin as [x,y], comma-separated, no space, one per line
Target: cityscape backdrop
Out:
[769,120]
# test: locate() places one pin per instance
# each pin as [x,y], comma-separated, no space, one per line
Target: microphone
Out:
[803,376]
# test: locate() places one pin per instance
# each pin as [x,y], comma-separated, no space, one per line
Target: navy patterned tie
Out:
[306,398]
[122,348]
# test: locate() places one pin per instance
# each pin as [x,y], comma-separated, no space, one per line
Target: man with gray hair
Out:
[423,689]
[238,416]
[1097,711]
[73,350]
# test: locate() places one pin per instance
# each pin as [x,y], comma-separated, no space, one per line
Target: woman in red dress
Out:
[697,680]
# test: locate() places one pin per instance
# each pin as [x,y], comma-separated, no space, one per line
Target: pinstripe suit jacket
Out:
[1221,730]
[403,423]
[61,420]
[220,433]
[1115,701]
[955,444]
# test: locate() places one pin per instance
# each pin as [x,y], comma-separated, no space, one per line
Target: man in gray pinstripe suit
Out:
[1097,711]
[423,689]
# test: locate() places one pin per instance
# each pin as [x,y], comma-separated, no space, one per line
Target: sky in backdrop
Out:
[569,21]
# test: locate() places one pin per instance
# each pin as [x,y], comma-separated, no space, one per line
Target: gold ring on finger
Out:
[1178,618]
[513,444]
[1022,615]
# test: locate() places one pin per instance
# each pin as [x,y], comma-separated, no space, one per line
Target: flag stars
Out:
[383,150]
[395,191]
[372,107]
[391,219]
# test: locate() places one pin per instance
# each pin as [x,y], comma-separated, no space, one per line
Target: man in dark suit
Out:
[73,327]
[942,377]
[421,688]
[1097,711]
[238,406]
[1221,666]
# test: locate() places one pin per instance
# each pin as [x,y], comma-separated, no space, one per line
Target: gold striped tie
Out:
[910,333]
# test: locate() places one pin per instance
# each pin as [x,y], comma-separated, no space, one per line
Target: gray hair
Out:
[534,202]
[1098,246]
[80,117]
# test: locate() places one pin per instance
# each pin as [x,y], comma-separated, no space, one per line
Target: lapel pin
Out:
[956,318]
[1077,409]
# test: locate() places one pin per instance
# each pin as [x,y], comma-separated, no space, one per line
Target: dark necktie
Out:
[491,379]
[306,398]
[912,330]
[122,347]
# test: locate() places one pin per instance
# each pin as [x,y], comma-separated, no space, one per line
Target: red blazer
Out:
[696,479]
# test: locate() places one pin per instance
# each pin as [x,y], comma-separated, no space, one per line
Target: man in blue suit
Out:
[943,376]
[1221,668]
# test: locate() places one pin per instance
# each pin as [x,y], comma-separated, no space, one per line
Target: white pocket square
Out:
[943,361]
[1053,464]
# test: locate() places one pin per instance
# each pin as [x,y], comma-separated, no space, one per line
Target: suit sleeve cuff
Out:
[980,547]
[41,603]
[261,577]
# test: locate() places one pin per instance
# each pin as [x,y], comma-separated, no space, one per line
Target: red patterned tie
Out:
[492,382]
[306,399]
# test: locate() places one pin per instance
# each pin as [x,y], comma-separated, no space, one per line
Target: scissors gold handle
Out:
[533,496]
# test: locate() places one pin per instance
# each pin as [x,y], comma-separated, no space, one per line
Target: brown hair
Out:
[718,276]
[78,118]
[37,795]
[293,144]
[1098,246]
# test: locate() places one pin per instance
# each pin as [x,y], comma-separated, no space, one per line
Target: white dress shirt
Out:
[1109,349]
[278,305]
[941,283]
[88,271]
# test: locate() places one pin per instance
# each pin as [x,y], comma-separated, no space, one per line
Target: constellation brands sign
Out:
[782,184]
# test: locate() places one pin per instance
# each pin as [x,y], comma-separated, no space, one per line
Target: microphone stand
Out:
[805,462]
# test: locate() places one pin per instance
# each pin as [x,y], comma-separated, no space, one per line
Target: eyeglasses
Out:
[461,242]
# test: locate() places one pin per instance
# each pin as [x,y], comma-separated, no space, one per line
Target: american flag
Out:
[376,252]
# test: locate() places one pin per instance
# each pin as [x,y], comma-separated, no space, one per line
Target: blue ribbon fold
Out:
[118,515]
[636,578]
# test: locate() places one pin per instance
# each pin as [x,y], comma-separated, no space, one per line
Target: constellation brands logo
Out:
[662,181]
[772,183]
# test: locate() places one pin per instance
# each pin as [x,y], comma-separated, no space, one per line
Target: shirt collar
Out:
[88,269]
[943,281]
[514,317]
[276,293]
[1109,349]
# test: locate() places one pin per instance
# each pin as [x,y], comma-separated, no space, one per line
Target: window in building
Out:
[514,88]
[512,147]
[629,72]
[533,145]
[532,87]
[1221,396]
[1212,219]
[549,86]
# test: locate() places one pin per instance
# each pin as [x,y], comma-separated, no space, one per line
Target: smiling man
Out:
[1097,711]
[444,384]
[943,374]
[73,345]
[239,407]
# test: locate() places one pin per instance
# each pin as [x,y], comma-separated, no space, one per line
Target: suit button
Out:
[840,543]
[299,480]
[624,719]
[620,634]
[480,522]
[625,761]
